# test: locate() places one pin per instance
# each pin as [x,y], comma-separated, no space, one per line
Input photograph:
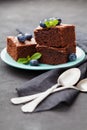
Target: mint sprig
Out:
[51,23]
[36,56]
[26,60]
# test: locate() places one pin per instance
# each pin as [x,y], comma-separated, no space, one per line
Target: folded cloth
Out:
[46,80]
[82,41]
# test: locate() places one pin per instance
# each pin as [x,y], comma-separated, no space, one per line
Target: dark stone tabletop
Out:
[25,15]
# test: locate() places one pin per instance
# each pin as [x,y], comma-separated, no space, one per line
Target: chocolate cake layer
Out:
[54,56]
[17,49]
[58,36]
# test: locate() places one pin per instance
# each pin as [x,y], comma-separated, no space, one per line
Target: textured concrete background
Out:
[25,15]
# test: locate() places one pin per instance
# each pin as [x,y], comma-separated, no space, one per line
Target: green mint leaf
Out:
[24,60]
[28,58]
[55,22]
[36,56]
[51,23]
[47,23]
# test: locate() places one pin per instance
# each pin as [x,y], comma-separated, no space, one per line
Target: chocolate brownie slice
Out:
[18,50]
[53,56]
[58,36]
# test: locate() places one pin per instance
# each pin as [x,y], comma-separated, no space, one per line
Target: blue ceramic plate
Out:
[8,60]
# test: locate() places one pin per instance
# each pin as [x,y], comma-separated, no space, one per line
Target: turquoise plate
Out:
[8,60]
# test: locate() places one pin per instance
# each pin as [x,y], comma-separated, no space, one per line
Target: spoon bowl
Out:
[82,85]
[69,77]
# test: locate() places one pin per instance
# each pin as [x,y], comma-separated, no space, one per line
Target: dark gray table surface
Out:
[26,14]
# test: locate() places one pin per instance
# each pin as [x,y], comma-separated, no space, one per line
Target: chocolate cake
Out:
[54,56]
[18,49]
[55,43]
[59,36]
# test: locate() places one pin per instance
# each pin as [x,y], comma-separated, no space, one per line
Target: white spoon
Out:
[61,81]
[68,78]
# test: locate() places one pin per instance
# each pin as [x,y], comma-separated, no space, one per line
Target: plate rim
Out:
[4,53]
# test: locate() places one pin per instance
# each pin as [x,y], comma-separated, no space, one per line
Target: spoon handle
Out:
[29,107]
[19,100]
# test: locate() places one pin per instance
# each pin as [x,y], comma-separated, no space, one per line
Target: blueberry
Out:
[42,24]
[59,21]
[28,36]
[21,38]
[72,57]
[34,62]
